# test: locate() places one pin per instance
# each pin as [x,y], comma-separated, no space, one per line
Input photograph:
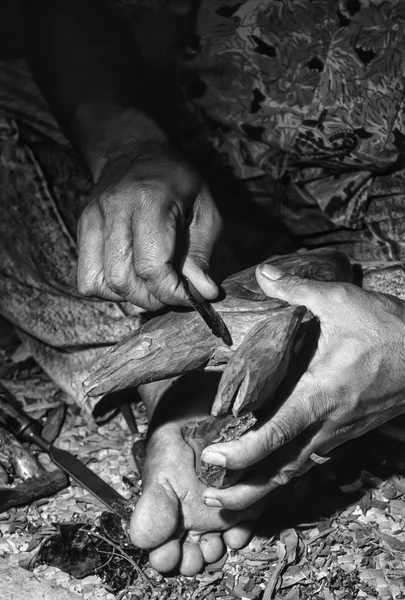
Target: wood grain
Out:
[179,341]
[266,334]
[35,488]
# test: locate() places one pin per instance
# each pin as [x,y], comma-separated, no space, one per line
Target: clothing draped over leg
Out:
[301,101]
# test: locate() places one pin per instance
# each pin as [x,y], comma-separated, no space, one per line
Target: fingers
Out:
[105,265]
[118,258]
[90,269]
[204,231]
[156,225]
[124,254]
[315,295]
[130,242]
[293,417]
[268,475]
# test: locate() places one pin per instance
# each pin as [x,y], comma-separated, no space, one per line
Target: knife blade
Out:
[28,430]
[207,312]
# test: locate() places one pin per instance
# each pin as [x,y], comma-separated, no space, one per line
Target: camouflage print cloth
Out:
[302,101]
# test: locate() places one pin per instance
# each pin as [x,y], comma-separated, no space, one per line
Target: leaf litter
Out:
[336,533]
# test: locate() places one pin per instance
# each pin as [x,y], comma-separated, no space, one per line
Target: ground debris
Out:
[336,533]
[81,550]
[316,542]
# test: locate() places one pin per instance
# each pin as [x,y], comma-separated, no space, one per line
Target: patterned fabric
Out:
[310,92]
[300,101]
[318,80]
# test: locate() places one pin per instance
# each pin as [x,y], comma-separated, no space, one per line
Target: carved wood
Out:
[265,333]
[35,488]
[180,341]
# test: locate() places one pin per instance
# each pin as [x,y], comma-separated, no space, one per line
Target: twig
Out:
[112,554]
[320,535]
[124,591]
[123,554]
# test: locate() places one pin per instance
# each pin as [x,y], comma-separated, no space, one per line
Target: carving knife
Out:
[28,430]
[207,312]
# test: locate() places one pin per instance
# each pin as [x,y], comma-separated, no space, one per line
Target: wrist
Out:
[115,133]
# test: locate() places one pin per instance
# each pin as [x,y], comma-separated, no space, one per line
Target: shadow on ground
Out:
[352,472]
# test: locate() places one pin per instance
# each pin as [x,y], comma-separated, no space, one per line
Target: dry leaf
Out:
[399,482]
[287,548]
[393,542]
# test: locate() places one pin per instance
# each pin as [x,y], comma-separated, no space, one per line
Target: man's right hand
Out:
[147,221]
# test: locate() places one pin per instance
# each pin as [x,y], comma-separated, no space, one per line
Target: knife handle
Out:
[15,420]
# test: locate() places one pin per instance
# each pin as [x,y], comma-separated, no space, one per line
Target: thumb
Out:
[290,288]
[204,232]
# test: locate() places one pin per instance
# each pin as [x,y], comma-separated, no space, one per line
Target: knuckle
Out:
[146,193]
[283,477]
[89,286]
[241,454]
[106,196]
[275,436]
[200,257]
[151,272]
[118,283]
[291,283]
[107,201]
[124,197]
[113,201]
[340,294]
[86,288]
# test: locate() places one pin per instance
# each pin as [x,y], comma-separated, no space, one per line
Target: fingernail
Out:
[212,502]
[213,458]
[270,272]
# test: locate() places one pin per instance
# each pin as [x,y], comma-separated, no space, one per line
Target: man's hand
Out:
[150,216]
[147,220]
[355,382]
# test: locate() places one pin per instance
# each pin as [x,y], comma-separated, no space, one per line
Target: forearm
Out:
[89,69]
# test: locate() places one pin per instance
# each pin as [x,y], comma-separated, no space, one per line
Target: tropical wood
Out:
[179,341]
[35,488]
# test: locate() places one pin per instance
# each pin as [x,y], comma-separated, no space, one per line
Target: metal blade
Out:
[29,430]
[92,482]
[207,312]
